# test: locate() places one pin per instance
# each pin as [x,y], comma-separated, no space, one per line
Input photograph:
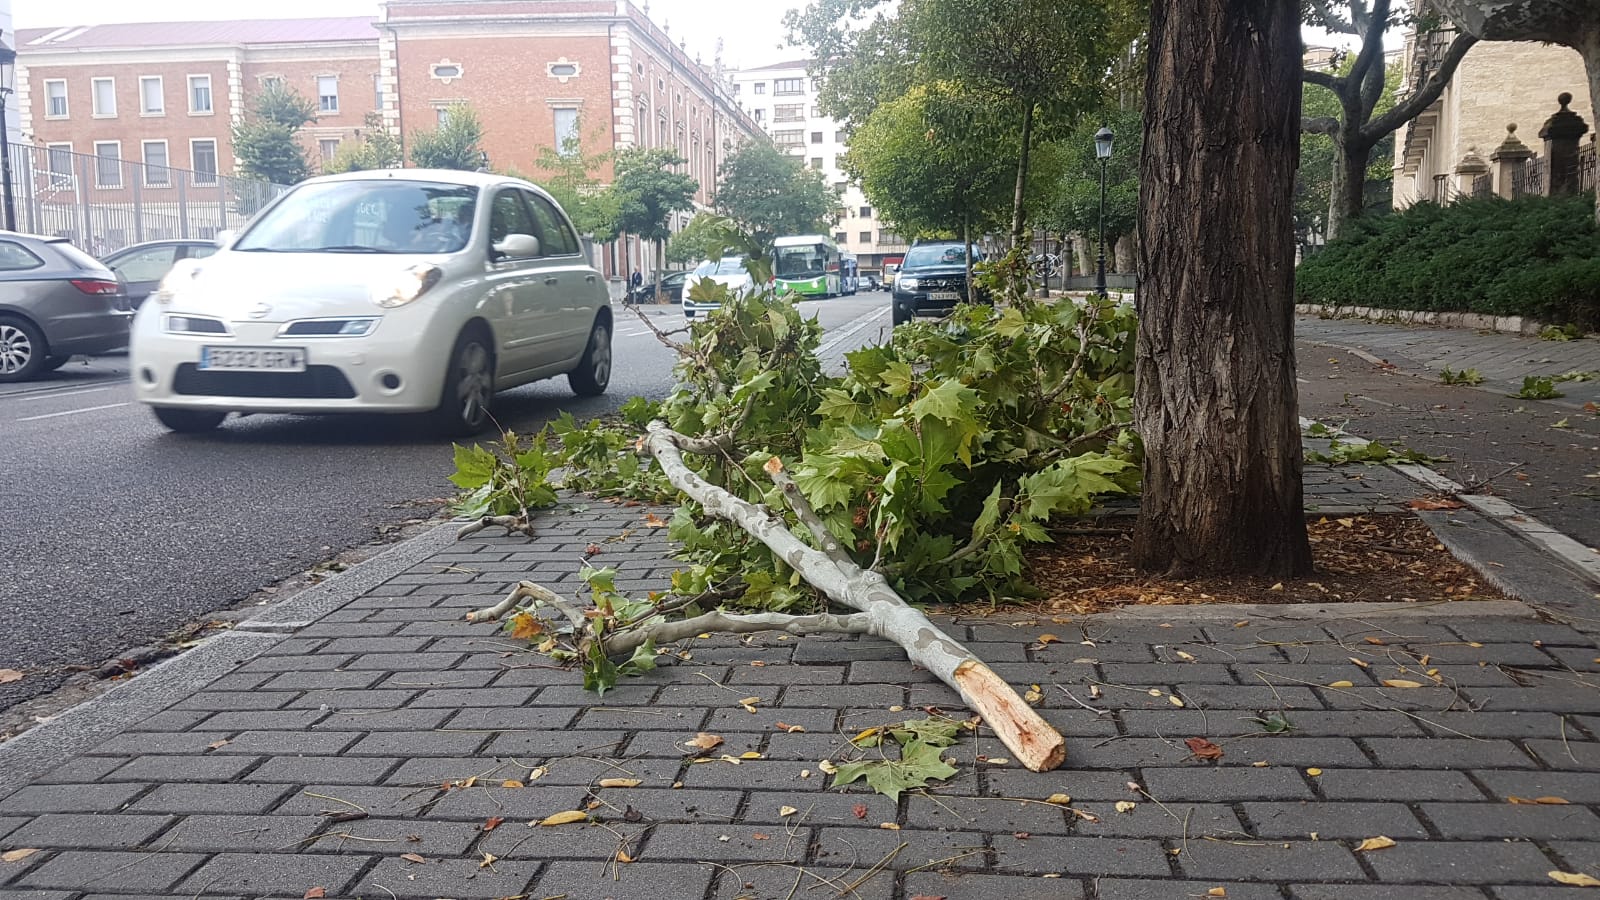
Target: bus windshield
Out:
[800,262]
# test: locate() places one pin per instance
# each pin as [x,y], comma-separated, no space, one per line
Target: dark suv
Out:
[932,280]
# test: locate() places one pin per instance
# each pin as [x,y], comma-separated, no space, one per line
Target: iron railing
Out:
[1586,167]
[103,204]
[1482,187]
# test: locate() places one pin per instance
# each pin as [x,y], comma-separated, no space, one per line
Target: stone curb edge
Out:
[1476,321]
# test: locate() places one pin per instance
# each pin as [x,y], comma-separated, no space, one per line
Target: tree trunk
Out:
[966,253]
[1215,395]
[1347,191]
[1018,214]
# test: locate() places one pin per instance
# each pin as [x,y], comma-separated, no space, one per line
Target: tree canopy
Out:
[1075,204]
[649,190]
[569,175]
[770,194]
[375,148]
[266,144]
[453,145]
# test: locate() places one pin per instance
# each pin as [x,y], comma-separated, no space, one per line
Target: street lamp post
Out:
[8,61]
[1102,150]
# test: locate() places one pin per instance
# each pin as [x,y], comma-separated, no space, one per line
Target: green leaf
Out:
[599,673]
[951,402]
[898,379]
[919,764]
[474,467]
[642,660]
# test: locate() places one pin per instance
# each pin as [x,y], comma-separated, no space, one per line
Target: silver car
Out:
[55,302]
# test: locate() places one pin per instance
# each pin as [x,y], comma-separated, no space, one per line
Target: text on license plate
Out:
[944,295]
[253,359]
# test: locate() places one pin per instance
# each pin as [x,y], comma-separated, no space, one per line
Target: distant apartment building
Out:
[782,98]
[536,72]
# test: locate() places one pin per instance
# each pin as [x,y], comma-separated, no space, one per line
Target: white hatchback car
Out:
[396,291]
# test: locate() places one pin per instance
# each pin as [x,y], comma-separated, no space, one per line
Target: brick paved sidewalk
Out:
[383,734]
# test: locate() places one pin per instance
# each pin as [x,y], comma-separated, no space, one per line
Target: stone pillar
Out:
[1507,161]
[1471,167]
[1561,133]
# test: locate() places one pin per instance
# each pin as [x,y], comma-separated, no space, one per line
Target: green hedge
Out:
[1536,257]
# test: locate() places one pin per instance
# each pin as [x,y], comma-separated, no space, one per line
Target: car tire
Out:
[468,392]
[901,314]
[593,373]
[188,421]
[688,314]
[23,350]
[52,363]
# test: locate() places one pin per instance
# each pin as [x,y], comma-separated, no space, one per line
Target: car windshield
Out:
[798,262]
[731,265]
[936,255]
[387,216]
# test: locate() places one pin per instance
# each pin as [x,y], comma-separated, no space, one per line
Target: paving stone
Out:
[1248,697]
[1380,892]
[406,678]
[318,663]
[473,698]
[766,719]
[1402,786]
[263,720]
[772,656]
[260,834]
[1333,821]
[756,881]
[82,769]
[9,824]
[1493,724]
[1575,787]
[295,647]
[277,873]
[385,720]
[210,798]
[379,802]
[757,774]
[63,798]
[477,804]
[226,701]
[1567,754]
[1166,674]
[1401,633]
[1496,654]
[1225,785]
[1450,753]
[538,744]
[1208,654]
[805,747]
[819,808]
[87,831]
[307,681]
[1140,889]
[762,675]
[1292,750]
[1278,635]
[832,697]
[1079,856]
[576,841]
[692,843]
[392,837]
[1583,856]
[1581,659]
[1069,779]
[337,700]
[1507,820]
[1527,892]
[667,805]
[323,770]
[1149,820]
[211,767]
[397,662]
[171,720]
[987,814]
[1303,674]
[141,743]
[417,743]
[444,770]
[101,869]
[1461,863]
[814,651]
[864,847]
[639,881]
[1321,860]
[67,895]
[1468,676]
[240,681]
[290,743]
[1524,630]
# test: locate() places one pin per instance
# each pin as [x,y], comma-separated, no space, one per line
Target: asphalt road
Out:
[115,533]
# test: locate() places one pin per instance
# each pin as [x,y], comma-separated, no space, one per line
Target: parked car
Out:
[932,280]
[728,272]
[395,291]
[142,266]
[871,283]
[55,301]
[671,289]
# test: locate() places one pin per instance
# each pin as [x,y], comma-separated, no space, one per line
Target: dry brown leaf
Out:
[9,675]
[1541,801]
[526,626]
[218,745]
[1377,642]
[315,893]
[1175,701]
[1058,799]
[494,823]
[1363,663]
[786,811]
[413,858]
[1217,892]
[623,857]
[827,766]
[789,729]
[565,818]
[1375,843]
[889,826]
[1342,684]
[488,860]
[1186,657]
[1033,696]
[1314,771]
[11,856]
[1048,639]
[749,704]
[1203,749]
[620,782]
[651,520]
[1124,806]
[1401,683]
[512,784]
[1430,503]
[1575,879]
[703,741]
[469,782]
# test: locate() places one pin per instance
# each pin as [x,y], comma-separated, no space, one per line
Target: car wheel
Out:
[23,351]
[188,421]
[688,314]
[464,401]
[52,363]
[901,314]
[593,373]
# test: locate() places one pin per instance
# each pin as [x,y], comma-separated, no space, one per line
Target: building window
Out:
[200,93]
[789,86]
[441,115]
[104,97]
[152,102]
[328,148]
[816,111]
[328,93]
[269,82]
[866,212]
[788,113]
[108,164]
[377,92]
[789,139]
[866,237]
[156,171]
[839,237]
[840,137]
[760,116]
[816,162]
[203,160]
[761,87]
[59,158]
[566,132]
[55,92]
[446,71]
[889,237]
[816,137]
[736,88]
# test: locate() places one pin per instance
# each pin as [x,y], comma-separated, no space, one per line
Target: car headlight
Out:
[180,276]
[406,285]
[909,284]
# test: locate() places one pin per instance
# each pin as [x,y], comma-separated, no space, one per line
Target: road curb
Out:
[1235,612]
[1493,388]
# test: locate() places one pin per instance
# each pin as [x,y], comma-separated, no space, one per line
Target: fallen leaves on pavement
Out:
[1202,748]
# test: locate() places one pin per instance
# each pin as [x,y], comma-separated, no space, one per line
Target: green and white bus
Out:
[807,264]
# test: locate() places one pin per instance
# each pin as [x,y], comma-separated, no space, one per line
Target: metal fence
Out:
[103,204]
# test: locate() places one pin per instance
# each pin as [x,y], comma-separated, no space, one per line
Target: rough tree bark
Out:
[1215,398]
[1019,215]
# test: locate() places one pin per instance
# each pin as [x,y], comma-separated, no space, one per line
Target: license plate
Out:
[952,296]
[253,359]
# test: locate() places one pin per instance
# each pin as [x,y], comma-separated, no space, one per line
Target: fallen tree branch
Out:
[808,517]
[511,524]
[664,631]
[1029,737]
[527,590]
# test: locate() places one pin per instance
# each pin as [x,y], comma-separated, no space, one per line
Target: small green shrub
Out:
[1536,257]
[1538,387]
[1465,376]
[1561,333]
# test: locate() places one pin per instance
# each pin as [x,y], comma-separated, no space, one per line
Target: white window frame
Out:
[211,95]
[216,157]
[322,110]
[71,171]
[555,121]
[94,99]
[144,159]
[66,103]
[161,95]
[322,147]
[98,159]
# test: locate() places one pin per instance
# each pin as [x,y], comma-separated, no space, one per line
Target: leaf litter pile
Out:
[1368,558]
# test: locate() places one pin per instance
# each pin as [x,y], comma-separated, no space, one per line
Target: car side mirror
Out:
[225,237]
[518,246]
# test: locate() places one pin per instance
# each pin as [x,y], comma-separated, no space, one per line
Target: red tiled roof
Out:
[172,34]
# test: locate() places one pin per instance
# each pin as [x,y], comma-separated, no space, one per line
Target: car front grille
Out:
[942,283]
[315,383]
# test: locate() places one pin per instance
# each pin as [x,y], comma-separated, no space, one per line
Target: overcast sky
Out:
[752,30]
